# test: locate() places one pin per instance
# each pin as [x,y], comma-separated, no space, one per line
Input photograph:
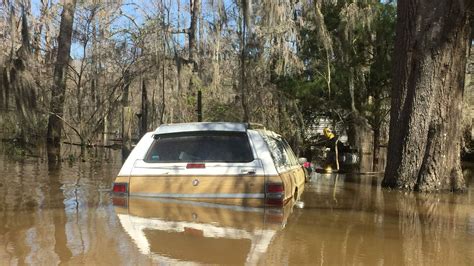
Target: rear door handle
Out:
[248,171]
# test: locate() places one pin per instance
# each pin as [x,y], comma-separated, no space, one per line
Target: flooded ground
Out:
[52,214]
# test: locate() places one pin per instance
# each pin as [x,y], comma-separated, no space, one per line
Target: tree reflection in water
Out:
[51,214]
[354,221]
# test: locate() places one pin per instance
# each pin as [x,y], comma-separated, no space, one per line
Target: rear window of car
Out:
[209,146]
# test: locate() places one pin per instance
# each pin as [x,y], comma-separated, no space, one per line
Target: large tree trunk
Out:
[59,79]
[425,122]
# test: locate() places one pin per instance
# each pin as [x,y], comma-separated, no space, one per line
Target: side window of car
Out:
[290,153]
[278,151]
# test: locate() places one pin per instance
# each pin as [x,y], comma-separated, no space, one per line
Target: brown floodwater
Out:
[63,214]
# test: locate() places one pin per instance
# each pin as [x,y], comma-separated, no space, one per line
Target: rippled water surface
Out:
[63,213]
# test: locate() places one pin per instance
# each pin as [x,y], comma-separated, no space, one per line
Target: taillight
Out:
[274,202]
[120,201]
[195,166]
[120,188]
[274,194]
[275,188]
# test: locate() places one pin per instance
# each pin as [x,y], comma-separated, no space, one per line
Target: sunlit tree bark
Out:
[59,79]
[425,120]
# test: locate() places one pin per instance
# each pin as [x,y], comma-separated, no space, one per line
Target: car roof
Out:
[201,126]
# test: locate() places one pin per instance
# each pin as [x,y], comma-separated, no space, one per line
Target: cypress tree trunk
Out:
[23,85]
[193,30]
[126,117]
[243,80]
[59,79]
[163,95]
[144,111]
[425,123]
[195,13]
[376,149]
[3,84]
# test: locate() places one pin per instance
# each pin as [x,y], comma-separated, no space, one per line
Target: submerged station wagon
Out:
[215,162]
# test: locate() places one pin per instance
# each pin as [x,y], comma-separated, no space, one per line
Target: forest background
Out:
[291,65]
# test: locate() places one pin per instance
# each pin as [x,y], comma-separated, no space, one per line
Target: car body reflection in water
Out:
[174,231]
